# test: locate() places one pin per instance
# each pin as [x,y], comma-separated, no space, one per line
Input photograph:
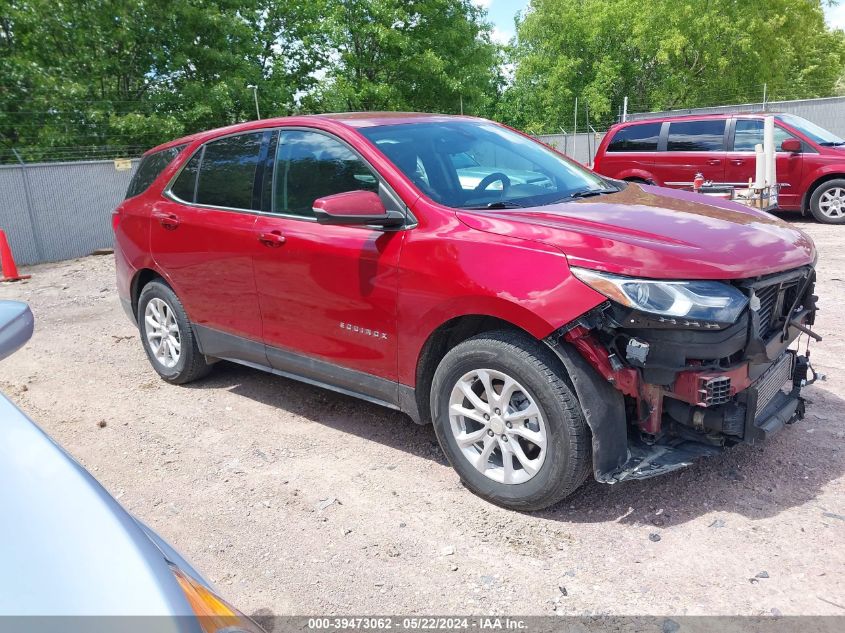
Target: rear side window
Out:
[227,171]
[310,165]
[696,136]
[636,138]
[149,169]
[185,185]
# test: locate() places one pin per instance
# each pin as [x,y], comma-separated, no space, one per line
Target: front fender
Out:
[810,179]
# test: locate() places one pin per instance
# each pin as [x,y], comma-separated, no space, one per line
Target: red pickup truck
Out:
[550,322]
[670,151]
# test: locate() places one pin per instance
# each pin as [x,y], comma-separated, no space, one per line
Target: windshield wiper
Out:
[584,193]
[498,204]
[832,143]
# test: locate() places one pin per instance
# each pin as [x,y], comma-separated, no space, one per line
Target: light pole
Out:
[254,89]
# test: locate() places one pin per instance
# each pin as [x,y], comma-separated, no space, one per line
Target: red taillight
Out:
[115,219]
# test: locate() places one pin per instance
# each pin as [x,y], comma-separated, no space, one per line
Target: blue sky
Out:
[502,12]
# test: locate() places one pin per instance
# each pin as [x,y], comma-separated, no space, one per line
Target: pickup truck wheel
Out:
[167,335]
[508,421]
[828,202]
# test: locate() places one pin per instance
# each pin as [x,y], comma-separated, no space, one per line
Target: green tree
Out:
[665,54]
[131,74]
[429,55]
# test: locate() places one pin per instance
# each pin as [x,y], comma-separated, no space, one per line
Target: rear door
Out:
[692,146]
[203,238]
[748,132]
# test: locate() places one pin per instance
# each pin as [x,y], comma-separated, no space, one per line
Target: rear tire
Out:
[827,203]
[549,453]
[167,335]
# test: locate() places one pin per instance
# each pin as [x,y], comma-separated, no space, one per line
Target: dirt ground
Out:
[296,500]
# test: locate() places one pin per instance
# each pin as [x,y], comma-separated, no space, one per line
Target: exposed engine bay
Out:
[691,387]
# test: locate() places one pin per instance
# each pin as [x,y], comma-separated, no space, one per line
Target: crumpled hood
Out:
[659,233]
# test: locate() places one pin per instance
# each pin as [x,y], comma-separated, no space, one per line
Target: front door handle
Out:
[714,161]
[169,221]
[273,239]
[738,161]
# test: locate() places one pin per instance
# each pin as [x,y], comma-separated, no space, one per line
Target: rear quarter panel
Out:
[623,165]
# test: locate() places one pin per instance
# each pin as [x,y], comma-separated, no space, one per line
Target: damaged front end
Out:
[662,387]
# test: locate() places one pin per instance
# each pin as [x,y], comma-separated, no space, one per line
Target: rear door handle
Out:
[273,239]
[738,161]
[714,161]
[169,221]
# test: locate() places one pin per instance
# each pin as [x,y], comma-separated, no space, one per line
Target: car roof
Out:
[346,119]
[697,117]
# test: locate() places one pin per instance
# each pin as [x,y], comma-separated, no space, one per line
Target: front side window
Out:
[749,133]
[227,171]
[696,136]
[636,138]
[311,165]
[149,169]
[473,164]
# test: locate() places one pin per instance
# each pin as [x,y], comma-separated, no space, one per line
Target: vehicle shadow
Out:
[754,481]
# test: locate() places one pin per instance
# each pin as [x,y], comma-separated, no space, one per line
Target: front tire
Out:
[827,203]
[509,422]
[167,335]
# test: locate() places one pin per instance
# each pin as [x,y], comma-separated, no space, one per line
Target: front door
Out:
[741,160]
[327,293]
[203,238]
[692,147]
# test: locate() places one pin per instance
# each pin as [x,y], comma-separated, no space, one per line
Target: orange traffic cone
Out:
[7,262]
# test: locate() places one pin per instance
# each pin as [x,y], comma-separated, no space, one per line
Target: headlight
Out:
[215,615]
[691,300]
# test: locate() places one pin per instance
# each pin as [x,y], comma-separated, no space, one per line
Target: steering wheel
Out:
[491,178]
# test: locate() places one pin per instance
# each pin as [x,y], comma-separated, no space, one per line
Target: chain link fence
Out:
[62,210]
[56,211]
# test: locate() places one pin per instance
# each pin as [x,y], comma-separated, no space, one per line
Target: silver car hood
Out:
[67,546]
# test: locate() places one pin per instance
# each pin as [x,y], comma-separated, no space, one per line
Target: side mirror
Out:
[355,208]
[16,325]
[791,145]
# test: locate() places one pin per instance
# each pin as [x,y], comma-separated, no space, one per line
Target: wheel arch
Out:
[444,337]
[818,179]
[636,175]
[141,278]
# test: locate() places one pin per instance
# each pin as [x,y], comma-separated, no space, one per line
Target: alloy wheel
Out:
[498,426]
[162,332]
[832,203]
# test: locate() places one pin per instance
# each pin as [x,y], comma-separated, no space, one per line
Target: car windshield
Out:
[477,164]
[811,130]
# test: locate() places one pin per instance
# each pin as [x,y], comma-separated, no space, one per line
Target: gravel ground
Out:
[296,500]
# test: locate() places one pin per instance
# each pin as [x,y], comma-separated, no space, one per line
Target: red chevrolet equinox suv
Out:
[671,151]
[550,322]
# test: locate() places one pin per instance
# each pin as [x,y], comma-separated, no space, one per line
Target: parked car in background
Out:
[670,151]
[550,322]
[70,549]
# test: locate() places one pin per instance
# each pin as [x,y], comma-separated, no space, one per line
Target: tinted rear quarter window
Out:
[636,138]
[149,169]
[696,136]
[185,185]
[227,171]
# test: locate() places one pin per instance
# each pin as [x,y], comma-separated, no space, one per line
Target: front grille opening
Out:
[775,303]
